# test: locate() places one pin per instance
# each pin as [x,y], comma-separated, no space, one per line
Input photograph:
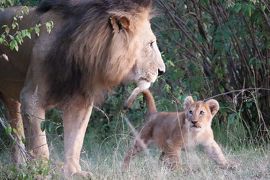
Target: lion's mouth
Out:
[149,77]
[195,126]
[143,79]
[147,80]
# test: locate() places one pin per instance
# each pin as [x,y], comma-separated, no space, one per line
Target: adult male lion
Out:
[94,46]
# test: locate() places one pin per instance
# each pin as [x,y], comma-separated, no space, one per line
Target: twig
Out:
[177,21]
[97,108]
[24,153]
[239,90]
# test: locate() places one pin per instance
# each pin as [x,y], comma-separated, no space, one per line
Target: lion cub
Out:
[173,131]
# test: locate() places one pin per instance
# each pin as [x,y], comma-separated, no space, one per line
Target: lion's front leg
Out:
[33,113]
[76,117]
[214,152]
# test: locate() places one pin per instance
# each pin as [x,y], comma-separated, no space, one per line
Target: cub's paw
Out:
[82,175]
[230,165]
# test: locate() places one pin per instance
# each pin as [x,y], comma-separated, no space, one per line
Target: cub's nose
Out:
[194,122]
[160,72]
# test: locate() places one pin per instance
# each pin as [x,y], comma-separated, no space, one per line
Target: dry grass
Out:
[104,161]
[252,164]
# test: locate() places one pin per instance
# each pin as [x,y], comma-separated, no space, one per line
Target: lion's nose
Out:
[160,72]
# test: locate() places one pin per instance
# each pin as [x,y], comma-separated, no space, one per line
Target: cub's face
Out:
[199,114]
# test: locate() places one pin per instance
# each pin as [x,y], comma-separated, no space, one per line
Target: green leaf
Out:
[37,29]
[7,29]
[237,7]
[14,25]
[2,38]
[14,45]
[49,26]
[8,130]
[170,63]
[26,33]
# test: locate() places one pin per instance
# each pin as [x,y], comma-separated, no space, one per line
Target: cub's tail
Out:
[150,102]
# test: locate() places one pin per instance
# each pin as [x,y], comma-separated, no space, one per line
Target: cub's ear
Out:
[119,23]
[188,101]
[213,106]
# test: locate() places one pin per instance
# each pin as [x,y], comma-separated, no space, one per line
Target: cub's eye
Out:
[201,112]
[190,112]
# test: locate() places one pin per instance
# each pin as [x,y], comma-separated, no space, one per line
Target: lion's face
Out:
[199,114]
[148,61]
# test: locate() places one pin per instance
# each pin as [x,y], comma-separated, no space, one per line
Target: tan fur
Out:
[141,86]
[173,131]
[94,46]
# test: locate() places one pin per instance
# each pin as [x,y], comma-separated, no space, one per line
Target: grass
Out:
[253,164]
[104,161]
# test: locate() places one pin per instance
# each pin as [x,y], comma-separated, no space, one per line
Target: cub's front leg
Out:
[214,152]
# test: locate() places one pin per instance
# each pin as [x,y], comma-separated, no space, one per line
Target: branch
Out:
[238,90]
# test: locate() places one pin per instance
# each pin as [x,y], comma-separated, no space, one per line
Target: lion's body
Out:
[12,83]
[173,131]
[93,46]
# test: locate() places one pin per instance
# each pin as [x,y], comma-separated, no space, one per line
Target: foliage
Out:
[13,35]
[7,3]
[33,170]
[220,47]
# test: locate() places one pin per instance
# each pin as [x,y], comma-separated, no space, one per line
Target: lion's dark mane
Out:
[67,63]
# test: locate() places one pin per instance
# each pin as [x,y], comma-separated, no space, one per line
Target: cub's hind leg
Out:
[138,146]
[170,159]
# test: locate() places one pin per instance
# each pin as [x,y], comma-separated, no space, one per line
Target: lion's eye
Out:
[151,44]
[190,112]
[201,112]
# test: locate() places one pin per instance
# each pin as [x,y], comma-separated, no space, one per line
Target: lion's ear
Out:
[188,101]
[119,23]
[213,106]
